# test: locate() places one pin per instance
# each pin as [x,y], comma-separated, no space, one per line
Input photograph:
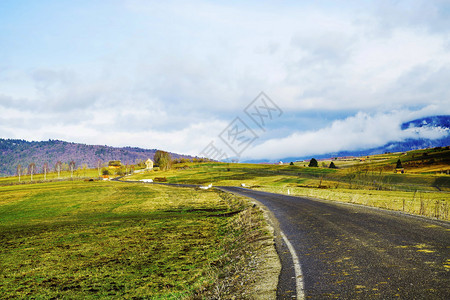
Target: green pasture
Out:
[423,194]
[67,237]
[362,177]
[232,173]
[87,240]
[64,175]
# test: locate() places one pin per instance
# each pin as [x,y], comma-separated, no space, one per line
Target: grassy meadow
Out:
[64,238]
[51,176]
[78,239]
[368,180]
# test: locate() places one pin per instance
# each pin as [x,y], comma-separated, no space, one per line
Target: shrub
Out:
[160,179]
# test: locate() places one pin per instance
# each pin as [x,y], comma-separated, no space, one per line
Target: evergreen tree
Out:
[313,163]
[332,166]
[399,164]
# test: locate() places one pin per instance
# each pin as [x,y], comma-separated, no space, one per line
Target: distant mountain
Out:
[435,125]
[438,122]
[13,152]
[436,128]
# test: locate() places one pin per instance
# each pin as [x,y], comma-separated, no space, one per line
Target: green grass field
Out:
[64,175]
[101,239]
[358,182]
[80,239]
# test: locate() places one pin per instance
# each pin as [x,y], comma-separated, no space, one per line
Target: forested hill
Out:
[14,152]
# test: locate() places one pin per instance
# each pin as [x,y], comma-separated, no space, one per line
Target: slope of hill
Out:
[14,152]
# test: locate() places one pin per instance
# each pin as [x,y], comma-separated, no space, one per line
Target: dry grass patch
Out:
[431,204]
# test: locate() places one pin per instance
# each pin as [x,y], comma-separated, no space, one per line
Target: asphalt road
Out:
[354,252]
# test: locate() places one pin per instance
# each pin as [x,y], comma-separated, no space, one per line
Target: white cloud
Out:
[428,132]
[173,74]
[362,131]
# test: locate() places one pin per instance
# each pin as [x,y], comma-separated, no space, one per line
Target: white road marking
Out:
[297,268]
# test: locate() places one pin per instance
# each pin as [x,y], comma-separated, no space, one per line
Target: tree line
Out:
[46,168]
[313,163]
[162,160]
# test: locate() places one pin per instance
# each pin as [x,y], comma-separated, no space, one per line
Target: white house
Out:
[149,164]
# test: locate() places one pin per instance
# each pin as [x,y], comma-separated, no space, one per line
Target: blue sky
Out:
[173,75]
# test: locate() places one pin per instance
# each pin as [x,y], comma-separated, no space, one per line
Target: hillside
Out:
[13,152]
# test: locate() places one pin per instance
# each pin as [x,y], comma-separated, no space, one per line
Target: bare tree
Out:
[19,170]
[31,169]
[71,166]
[99,165]
[58,166]
[45,169]
[84,166]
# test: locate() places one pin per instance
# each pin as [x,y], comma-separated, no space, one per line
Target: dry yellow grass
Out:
[432,204]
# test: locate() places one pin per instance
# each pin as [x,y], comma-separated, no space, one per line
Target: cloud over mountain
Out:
[174,74]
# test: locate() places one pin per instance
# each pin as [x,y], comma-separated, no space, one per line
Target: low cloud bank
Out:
[362,131]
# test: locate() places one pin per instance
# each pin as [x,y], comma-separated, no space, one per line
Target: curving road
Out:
[354,252]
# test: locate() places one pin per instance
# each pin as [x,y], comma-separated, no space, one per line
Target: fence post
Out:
[436,209]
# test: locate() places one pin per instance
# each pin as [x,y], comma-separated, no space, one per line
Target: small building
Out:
[149,164]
